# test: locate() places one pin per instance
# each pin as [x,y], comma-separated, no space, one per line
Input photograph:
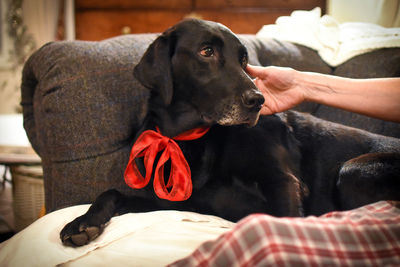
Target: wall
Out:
[382,12]
[9,79]
[40,19]
[9,91]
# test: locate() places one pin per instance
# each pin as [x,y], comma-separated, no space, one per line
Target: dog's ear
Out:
[154,69]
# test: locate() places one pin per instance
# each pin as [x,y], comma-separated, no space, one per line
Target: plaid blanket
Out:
[367,236]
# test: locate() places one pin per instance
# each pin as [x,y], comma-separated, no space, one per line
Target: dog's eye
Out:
[207,52]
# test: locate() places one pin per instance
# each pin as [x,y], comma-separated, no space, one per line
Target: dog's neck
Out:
[173,119]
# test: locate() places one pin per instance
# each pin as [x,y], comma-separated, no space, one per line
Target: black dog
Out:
[290,164]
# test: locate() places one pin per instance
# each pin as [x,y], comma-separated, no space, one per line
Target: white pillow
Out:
[135,239]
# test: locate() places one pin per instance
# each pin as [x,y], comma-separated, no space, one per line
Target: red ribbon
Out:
[149,143]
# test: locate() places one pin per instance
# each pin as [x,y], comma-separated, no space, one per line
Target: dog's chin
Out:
[250,120]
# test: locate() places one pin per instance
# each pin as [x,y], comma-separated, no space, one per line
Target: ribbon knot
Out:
[147,146]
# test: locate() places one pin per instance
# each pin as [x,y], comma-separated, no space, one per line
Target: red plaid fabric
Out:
[367,236]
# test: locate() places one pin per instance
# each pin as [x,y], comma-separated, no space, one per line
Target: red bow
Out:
[148,145]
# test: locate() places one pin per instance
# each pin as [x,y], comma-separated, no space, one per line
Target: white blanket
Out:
[140,239]
[334,42]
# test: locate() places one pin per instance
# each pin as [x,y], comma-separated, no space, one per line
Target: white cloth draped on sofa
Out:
[335,43]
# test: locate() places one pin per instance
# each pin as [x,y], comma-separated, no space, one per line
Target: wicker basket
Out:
[28,194]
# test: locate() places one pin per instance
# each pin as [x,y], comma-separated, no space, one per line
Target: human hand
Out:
[278,86]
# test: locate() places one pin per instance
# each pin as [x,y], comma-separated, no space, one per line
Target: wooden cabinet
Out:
[99,19]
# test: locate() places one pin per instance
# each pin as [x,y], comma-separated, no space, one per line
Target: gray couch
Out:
[82,106]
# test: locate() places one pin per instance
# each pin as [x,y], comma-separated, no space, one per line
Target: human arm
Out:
[284,88]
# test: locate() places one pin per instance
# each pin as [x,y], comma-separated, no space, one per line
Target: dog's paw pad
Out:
[92,232]
[85,235]
[79,232]
[80,239]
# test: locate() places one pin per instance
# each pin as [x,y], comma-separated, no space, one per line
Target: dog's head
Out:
[200,65]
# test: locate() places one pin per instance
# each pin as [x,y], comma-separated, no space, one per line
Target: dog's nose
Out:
[253,99]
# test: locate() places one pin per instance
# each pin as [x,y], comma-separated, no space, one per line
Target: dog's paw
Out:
[79,232]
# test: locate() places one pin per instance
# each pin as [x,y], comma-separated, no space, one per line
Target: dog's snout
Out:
[253,99]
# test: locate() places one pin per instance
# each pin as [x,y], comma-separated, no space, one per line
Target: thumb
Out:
[255,71]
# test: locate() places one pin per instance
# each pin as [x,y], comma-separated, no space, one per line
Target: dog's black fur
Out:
[289,164]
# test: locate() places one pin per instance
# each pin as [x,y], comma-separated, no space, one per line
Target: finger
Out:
[265,110]
[260,85]
[255,71]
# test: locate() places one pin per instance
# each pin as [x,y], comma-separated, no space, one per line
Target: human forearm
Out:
[378,98]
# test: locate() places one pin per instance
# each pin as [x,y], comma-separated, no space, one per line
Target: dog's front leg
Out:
[87,227]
